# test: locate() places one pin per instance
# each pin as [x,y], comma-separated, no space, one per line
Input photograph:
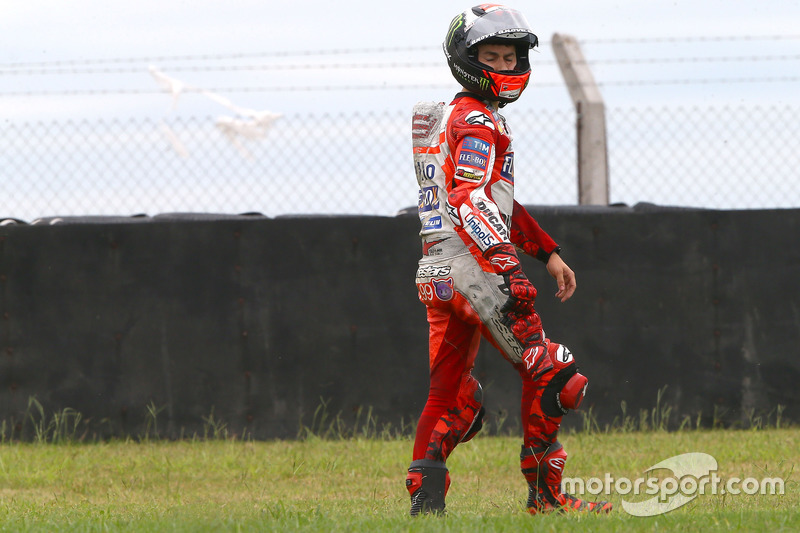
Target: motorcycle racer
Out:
[470,277]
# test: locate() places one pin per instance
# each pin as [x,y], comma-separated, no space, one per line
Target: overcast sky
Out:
[93,50]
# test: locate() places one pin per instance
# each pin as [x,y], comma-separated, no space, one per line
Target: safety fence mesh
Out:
[360,163]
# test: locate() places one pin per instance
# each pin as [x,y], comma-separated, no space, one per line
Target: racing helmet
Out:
[489,23]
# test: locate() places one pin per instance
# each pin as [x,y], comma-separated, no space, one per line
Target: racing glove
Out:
[521,292]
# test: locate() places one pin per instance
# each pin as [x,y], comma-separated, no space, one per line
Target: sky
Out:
[116,62]
[94,58]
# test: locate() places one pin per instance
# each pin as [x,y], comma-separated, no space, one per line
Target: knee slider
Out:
[573,392]
[566,387]
[471,395]
[478,394]
[477,421]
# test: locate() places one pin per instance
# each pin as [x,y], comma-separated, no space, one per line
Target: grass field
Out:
[357,484]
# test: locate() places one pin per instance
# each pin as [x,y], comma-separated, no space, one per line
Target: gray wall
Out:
[262,320]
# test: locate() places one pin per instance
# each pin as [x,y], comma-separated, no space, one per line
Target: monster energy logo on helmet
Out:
[454,25]
[482,82]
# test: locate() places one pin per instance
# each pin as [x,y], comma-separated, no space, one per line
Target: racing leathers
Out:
[470,279]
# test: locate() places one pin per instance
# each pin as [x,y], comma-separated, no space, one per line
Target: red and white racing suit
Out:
[465,168]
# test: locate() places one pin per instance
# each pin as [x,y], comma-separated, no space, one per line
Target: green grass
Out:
[356,484]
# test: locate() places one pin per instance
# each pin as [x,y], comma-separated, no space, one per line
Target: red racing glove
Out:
[521,292]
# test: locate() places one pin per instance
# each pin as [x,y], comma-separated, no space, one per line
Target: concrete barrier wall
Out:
[260,323]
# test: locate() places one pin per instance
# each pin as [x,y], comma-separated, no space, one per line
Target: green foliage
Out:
[347,475]
[356,484]
[68,425]
[61,427]
[660,418]
[213,427]
[365,425]
[151,420]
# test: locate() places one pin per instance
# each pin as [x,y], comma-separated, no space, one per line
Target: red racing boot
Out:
[427,483]
[543,472]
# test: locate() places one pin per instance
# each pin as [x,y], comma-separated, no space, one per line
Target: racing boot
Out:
[427,483]
[543,472]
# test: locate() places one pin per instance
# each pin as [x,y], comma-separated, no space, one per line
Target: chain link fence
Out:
[360,163]
[727,157]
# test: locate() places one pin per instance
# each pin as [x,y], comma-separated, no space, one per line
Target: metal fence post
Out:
[591,121]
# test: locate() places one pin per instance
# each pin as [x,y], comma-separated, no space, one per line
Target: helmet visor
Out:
[503,23]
